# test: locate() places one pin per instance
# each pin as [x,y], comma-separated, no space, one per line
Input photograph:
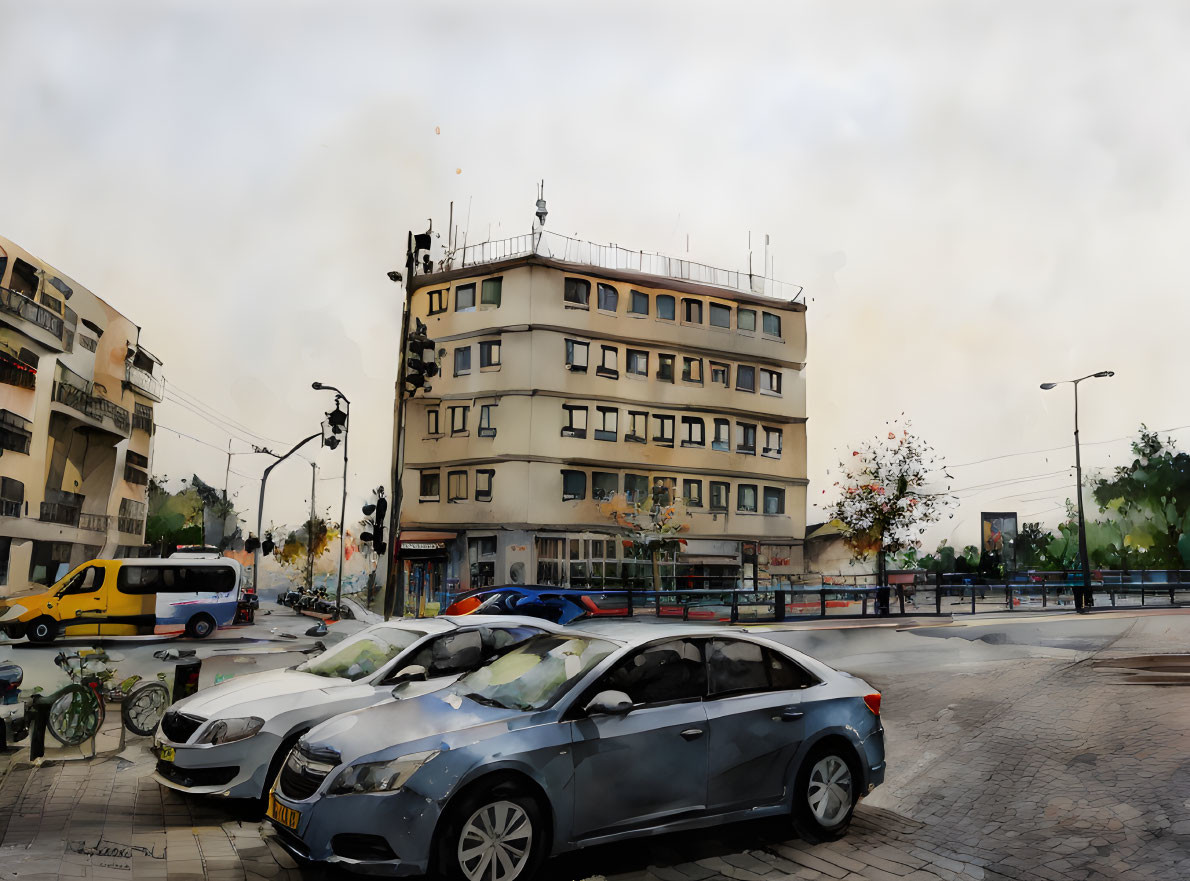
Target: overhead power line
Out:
[192,398]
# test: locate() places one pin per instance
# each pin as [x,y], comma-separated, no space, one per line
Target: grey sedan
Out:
[575,739]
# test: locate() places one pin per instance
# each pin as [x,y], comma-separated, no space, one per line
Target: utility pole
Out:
[260,506]
[310,528]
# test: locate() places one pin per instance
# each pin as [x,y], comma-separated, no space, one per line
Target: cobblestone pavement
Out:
[1031,768]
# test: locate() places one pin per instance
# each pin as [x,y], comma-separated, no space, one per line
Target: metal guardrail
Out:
[92,405]
[554,246]
[19,304]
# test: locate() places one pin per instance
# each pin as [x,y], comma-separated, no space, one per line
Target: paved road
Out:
[1012,756]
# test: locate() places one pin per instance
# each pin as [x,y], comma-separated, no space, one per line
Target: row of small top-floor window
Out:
[750,498]
[606,427]
[636,363]
[458,420]
[577,294]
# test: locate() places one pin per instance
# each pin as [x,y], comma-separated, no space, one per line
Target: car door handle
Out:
[692,733]
[791,714]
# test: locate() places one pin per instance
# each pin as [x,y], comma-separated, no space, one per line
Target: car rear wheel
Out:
[825,792]
[200,626]
[42,629]
[493,834]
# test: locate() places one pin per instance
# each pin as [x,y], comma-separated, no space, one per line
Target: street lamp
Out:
[1082,597]
[346,424]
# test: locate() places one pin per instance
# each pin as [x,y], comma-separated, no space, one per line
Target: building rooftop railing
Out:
[144,382]
[555,246]
[19,304]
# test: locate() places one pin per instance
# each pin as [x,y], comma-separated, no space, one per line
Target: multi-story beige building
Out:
[77,392]
[564,383]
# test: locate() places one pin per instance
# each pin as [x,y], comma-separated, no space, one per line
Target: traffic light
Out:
[251,544]
[419,369]
[376,513]
[266,546]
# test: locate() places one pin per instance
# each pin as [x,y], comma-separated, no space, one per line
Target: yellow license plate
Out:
[287,817]
[166,754]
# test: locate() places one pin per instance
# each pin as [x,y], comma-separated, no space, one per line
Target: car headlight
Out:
[379,776]
[11,613]
[227,730]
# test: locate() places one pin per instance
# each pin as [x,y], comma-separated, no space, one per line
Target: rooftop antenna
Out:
[541,213]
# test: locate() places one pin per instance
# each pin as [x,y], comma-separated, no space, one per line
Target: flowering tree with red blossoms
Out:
[884,504]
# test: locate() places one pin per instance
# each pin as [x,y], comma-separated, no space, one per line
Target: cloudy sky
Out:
[977,198]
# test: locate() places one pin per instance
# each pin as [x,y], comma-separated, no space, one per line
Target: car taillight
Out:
[873,702]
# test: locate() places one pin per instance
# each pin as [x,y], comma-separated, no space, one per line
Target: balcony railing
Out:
[144,382]
[10,508]
[131,525]
[13,371]
[92,405]
[94,522]
[56,512]
[567,250]
[19,304]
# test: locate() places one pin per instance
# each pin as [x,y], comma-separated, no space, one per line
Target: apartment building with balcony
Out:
[572,374]
[77,392]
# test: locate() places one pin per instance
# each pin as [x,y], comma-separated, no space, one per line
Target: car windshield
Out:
[362,654]
[535,673]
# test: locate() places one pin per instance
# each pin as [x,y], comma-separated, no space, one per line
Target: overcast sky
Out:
[977,198]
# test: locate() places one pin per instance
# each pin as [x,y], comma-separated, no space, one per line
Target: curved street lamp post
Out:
[1083,597]
[260,508]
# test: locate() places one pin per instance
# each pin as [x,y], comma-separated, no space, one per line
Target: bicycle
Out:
[142,704]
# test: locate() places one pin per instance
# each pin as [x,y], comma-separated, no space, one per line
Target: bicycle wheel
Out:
[75,715]
[143,708]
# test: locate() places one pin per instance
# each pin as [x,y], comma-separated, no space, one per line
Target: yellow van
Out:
[129,597]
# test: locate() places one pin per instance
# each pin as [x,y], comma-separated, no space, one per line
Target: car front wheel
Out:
[825,792]
[493,835]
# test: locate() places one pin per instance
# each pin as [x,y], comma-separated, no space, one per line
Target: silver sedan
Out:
[575,739]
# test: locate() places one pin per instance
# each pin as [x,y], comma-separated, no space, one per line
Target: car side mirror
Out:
[412,673]
[609,703]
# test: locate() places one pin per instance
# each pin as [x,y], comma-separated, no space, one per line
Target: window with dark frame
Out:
[692,370]
[608,426]
[458,419]
[604,485]
[437,302]
[772,443]
[483,484]
[638,303]
[636,487]
[577,292]
[456,486]
[719,315]
[722,439]
[574,485]
[609,363]
[465,298]
[746,497]
[489,292]
[576,356]
[692,493]
[638,427]
[12,497]
[770,381]
[430,486]
[694,432]
[486,429]
[719,492]
[746,438]
[666,306]
[745,320]
[665,368]
[692,311]
[745,378]
[432,421]
[462,360]
[774,500]
[772,324]
[489,353]
[663,430]
[607,297]
[576,421]
[13,434]
[720,374]
[636,362]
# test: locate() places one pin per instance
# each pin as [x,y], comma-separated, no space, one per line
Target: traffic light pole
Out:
[393,588]
[260,507]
